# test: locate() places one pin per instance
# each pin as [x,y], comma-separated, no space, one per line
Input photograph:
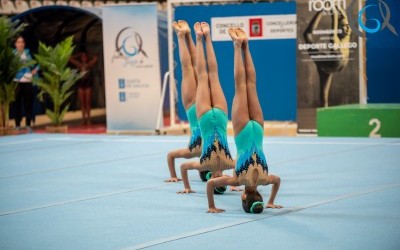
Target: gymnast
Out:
[187,52]
[247,118]
[211,109]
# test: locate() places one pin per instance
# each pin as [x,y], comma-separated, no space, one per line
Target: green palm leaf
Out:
[58,78]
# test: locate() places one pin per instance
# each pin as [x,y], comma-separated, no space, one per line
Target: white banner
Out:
[132,66]
[256,27]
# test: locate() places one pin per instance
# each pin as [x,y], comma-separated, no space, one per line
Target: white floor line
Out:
[20,142]
[79,200]
[83,165]
[243,221]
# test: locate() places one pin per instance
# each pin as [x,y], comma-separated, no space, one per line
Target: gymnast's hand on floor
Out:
[186,191]
[173,179]
[215,210]
[270,205]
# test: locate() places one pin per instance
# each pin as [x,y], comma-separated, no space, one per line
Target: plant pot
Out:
[63,129]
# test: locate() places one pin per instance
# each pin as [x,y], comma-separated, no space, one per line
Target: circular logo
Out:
[378,25]
[128,44]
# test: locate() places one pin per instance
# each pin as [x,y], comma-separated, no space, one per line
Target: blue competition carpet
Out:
[107,192]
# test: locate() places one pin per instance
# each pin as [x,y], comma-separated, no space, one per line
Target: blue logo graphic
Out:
[128,44]
[121,83]
[360,22]
[122,97]
[385,13]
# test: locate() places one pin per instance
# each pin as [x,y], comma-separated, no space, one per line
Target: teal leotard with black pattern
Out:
[195,138]
[215,152]
[250,154]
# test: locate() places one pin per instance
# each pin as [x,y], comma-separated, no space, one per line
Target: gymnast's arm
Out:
[276,182]
[218,182]
[234,188]
[179,153]
[184,173]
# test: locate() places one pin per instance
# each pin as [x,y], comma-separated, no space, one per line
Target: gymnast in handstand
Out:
[212,110]
[251,167]
[187,53]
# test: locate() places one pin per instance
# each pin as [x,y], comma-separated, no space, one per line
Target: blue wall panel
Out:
[275,60]
[383,53]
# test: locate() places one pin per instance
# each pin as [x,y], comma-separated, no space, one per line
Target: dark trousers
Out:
[24,96]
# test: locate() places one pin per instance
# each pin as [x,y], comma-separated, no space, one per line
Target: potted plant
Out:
[10,64]
[57,81]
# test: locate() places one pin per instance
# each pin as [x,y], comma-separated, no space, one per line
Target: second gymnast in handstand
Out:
[211,109]
[247,120]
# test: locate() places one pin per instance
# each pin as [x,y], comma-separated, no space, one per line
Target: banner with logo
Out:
[257,27]
[132,66]
[327,58]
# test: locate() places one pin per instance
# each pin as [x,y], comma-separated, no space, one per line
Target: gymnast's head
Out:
[252,201]
[205,175]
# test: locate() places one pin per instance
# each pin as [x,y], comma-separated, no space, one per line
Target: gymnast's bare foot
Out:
[205,28]
[242,35]
[180,31]
[184,26]
[197,29]
[237,41]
